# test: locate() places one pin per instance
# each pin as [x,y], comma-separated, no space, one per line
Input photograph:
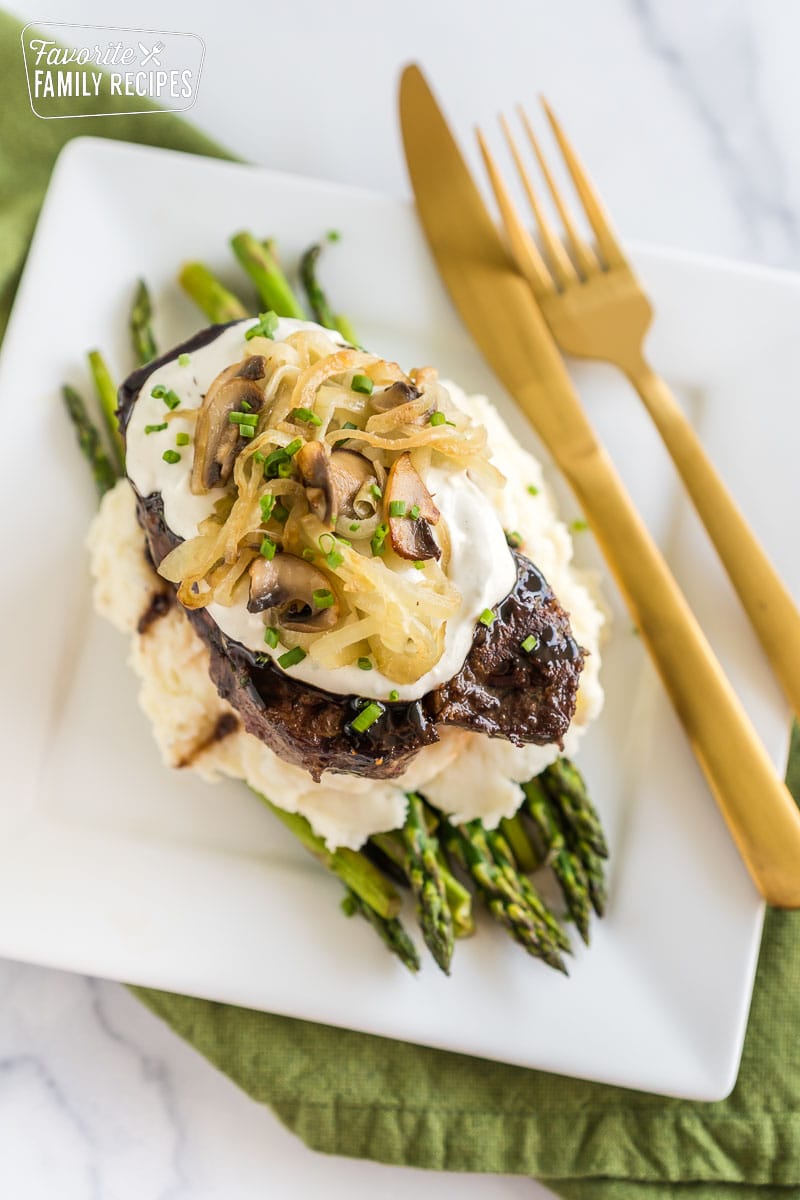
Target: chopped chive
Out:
[414,512]
[419,565]
[368,716]
[397,508]
[170,398]
[487,618]
[376,491]
[308,554]
[323,598]
[273,461]
[365,664]
[532,489]
[394,694]
[259,457]
[240,418]
[305,415]
[171,456]
[530,644]
[267,326]
[293,447]
[292,657]
[184,360]
[343,540]
[267,548]
[378,539]
[247,431]
[347,425]
[182,439]
[362,384]
[285,470]
[334,559]
[579,525]
[271,637]
[333,235]
[155,428]
[267,503]
[437,418]
[513,539]
[280,512]
[354,528]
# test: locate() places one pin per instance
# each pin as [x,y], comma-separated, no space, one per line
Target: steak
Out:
[503,690]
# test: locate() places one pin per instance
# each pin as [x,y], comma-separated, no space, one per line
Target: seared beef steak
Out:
[503,690]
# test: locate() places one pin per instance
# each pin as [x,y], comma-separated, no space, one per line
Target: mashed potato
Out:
[466,774]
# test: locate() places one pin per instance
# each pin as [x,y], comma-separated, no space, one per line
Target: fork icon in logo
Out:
[151,56]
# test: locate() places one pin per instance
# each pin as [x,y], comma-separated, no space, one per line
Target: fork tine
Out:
[586,261]
[607,242]
[563,269]
[523,247]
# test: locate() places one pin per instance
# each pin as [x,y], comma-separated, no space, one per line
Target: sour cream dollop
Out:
[480,566]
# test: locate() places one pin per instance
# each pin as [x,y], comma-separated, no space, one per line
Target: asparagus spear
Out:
[261,264]
[355,871]
[517,838]
[566,865]
[144,346]
[318,301]
[103,472]
[390,930]
[502,892]
[107,395]
[504,856]
[459,898]
[567,789]
[433,910]
[211,296]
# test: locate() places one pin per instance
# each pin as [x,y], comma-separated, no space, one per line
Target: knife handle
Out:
[765,597]
[758,808]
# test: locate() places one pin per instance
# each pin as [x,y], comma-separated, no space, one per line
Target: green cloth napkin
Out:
[353,1094]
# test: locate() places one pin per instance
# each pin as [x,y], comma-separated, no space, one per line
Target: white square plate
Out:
[112,865]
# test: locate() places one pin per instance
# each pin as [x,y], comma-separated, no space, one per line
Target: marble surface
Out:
[686,114]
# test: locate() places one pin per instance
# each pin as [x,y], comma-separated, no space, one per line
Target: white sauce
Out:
[480,567]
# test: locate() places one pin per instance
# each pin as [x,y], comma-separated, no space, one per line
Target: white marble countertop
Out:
[686,114]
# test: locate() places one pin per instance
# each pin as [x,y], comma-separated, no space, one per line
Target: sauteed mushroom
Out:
[394,396]
[337,485]
[411,512]
[217,438]
[299,594]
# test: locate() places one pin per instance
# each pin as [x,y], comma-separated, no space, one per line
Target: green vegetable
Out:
[487,618]
[103,471]
[156,428]
[529,644]
[171,456]
[397,508]
[107,395]
[318,301]
[292,657]
[271,637]
[437,418]
[144,346]
[378,539]
[210,296]
[365,664]
[170,398]
[261,264]
[267,548]
[427,882]
[394,694]
[367,717]
[323,598]
[184,360]
[513,539]
[182,439]
[305,415]
[267,503]
[362,384]
[390,930]
[266,326]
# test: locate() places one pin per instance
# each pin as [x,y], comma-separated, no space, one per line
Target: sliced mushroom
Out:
[394,396]
[337,484]
[286,585]
[411,536]
[217,439]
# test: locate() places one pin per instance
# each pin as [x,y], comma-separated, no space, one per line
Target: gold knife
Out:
[503,318]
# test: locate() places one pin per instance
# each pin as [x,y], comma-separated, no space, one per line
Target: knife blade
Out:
[503,318]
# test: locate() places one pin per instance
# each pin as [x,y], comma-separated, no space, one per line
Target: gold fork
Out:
[596,308]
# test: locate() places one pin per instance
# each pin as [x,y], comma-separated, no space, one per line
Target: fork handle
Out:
[765,597]
[758,808]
